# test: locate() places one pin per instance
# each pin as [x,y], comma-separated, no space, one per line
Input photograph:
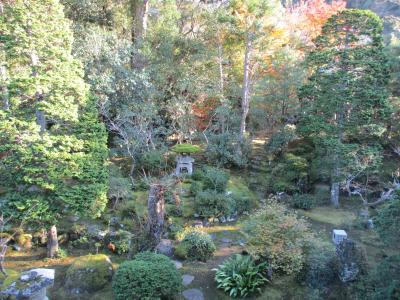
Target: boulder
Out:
[165,247]
[88,274]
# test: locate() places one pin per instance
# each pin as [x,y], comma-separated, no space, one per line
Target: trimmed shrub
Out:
[212,204]
[195,244]
[196,187]
[239,276]
[147,276]
[303,201]
[278,236]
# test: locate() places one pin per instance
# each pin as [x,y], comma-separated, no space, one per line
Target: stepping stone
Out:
[187,279]
[177,264]
[226,240]
[193,294]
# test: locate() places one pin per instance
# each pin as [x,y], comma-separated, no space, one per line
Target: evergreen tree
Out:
[345,102]
[53,149]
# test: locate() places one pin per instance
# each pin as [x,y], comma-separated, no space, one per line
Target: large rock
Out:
[88,274]
[165,247]
[187,279]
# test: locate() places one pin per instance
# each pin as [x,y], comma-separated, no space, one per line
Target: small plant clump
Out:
[240,276]
[147,276]
[195,244]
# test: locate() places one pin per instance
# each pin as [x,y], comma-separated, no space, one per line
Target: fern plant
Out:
[240,276]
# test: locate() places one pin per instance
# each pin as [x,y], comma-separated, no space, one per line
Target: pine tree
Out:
[53,148]
[345,102]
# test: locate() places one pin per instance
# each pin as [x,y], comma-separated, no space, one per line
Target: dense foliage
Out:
[147,276]
[277,236]
[240,276]
[53,148]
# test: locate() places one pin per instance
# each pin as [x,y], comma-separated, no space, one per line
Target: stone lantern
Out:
[184,162]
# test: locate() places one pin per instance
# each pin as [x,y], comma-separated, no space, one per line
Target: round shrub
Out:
[280,140]
[147,276]
[196,244]
[239,276]
[212,204]
[303,201]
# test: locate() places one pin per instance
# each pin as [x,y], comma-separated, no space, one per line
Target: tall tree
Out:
[345,102]
[53,149]
[252,24]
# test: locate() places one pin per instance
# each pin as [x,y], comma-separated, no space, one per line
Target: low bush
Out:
[195,244]
[303,201]
[383,282]
[214,179]
[147,276]
[239,276]
[278,236]
[387,221]
[228,150]
[278,143]
[320,265]
[212,204]
[290,174]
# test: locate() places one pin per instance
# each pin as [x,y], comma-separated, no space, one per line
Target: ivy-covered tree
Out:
[345,102]
[53,148]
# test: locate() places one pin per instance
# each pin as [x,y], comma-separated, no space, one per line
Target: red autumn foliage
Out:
[203,109]
[111,247]
[309,16]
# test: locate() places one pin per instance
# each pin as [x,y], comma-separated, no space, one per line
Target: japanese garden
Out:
[199,150]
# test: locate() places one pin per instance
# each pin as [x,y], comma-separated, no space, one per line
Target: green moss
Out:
[13,275]
[186,148]
[330,215]
[89,273]
[238,187]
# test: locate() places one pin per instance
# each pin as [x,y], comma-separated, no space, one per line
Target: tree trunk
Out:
[140,10]
[3,88]
[156,211]
[335,194]
[52,242]
[3,251]
[246,86]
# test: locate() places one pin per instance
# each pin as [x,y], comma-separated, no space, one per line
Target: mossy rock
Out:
[12,275]
[186,148]
[89,273]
